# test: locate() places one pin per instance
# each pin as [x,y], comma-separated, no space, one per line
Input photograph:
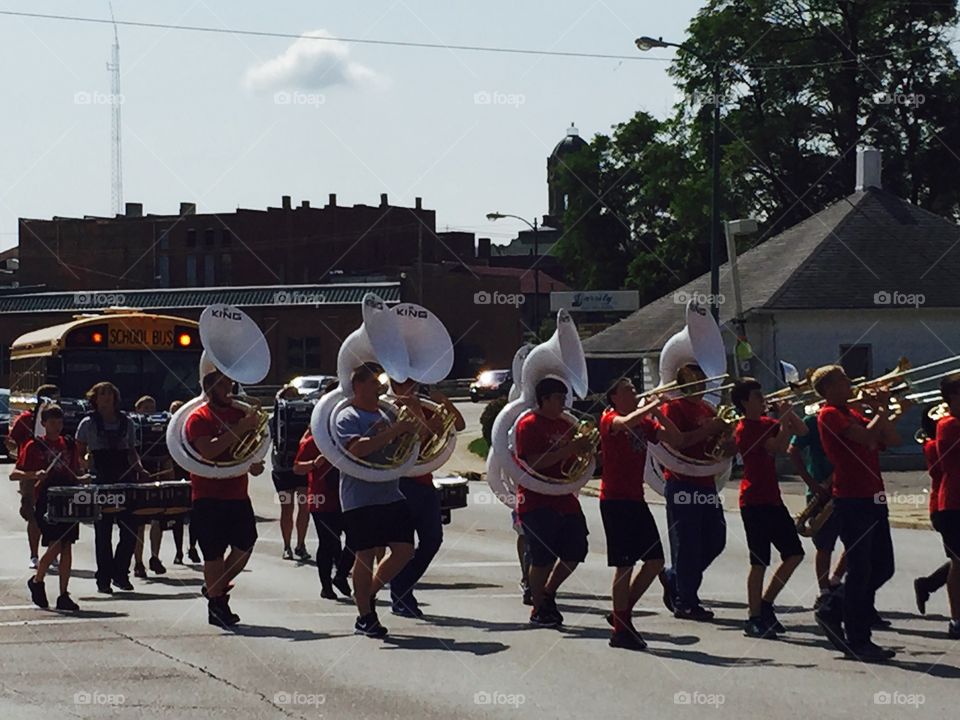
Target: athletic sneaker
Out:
[697,613]
[139,571]
[287,553]
[178,559]
[38,593]
[66,604]
[759,627]
[301,552]
[193,555]
[528,597]
[921,593]
[123,583]
[219,613]
[669,591]
[327,593]
[870,652]
[408,611]
[953,630]
[341,583]
[770,617]
[628,640]
[551,603]
[105,589]
[156,566]
[33,562]
[545,616]
[370,626]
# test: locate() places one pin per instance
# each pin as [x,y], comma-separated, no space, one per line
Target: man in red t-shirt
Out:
[51,461]
[554,525]
[632,534]
[697,528]
[222,514]
[423,500]
[323,502]
[20,432]
[852,443]
[925,586]
[948,497]
[766,519]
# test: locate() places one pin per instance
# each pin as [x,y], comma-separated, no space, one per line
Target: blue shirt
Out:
[815,458]
[356,493]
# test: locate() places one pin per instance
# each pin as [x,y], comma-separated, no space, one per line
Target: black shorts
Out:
[948,524]
[285,480]
[551,535]
[826,537]
[377,526]
[219,524]
[51,532]
[935,520]
[27,510]
[631,531]
[766,525]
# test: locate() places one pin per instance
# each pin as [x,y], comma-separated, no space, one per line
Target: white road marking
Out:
[64,621]
[18,607]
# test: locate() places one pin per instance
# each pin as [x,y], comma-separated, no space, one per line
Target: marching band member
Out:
[948,516]
[924,587]
[852,444]
[698,531]
[813,467]
[631,531]
[20,432]
[291,489]
[146,405]
[553,525]
[375,514]
[323,501]
[222,514]
[51,461]
[106,439]
[766,520]
[423,501]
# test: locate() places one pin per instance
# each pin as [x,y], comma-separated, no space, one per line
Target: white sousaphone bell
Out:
[699,343]
[408,342]
[234,345]
[560,357]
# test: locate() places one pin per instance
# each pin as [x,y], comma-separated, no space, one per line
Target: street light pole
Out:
[536,261]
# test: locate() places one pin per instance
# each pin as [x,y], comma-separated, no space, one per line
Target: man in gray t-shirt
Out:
[375,514]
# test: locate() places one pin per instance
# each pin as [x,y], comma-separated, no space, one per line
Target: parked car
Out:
[311,384]
[4,420]
[491,384]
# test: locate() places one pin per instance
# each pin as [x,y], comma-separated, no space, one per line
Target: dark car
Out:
[4,420]
[491,384]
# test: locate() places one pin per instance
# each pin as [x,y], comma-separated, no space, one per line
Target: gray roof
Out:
[159,299]
[868,243]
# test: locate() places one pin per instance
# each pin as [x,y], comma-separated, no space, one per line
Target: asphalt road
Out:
[151,653]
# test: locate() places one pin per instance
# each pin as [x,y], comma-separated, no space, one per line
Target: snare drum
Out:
[72,504]
[113,498]
[177,498]
[146,500]
[453,494]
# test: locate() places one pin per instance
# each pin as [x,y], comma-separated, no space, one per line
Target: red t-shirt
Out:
[41,454]
[948,450]
[759,485]
[935,472]
[323,490]
[688,414]
[535,436]
[206,421]
[22,428]
[624,456]
[856,467]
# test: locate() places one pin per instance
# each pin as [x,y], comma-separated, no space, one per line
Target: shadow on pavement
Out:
[270,631]
[702,658]
[457,586]
[410,642]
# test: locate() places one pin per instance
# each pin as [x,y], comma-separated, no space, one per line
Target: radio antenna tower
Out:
[116,99]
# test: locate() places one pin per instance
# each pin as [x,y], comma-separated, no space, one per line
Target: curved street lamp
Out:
[536,271]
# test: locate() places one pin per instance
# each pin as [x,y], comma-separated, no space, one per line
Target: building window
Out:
[191,270]
[226,237]
[208,237]
[303,354]
[226,269]
[191,238]
[165,239]
[856,361]
[163,270]
[209,274]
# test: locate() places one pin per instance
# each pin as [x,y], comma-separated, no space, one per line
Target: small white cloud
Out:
[310,65]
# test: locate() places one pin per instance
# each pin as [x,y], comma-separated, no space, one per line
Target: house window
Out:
[208,236]
[191,238]
[165,239]
[209,274]
[192,270]
[856,361]
[303,354]
[163,270]
[226,269]
[226,237]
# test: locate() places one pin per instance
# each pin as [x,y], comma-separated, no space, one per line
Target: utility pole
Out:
[116,99]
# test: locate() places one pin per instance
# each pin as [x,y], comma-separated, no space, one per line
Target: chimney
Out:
[418,203]
[483,248]
[134,210]
[285,201]
[305,204]
[868,168]
[332,200]
[187,208]
[383,200]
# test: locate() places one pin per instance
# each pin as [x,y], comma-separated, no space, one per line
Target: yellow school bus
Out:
[141,353]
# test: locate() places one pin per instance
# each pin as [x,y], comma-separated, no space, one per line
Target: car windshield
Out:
[4,402]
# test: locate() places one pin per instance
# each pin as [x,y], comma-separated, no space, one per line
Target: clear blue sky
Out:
[205,118]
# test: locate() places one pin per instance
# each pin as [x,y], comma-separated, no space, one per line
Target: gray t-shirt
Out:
[88,435]
[354,492]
